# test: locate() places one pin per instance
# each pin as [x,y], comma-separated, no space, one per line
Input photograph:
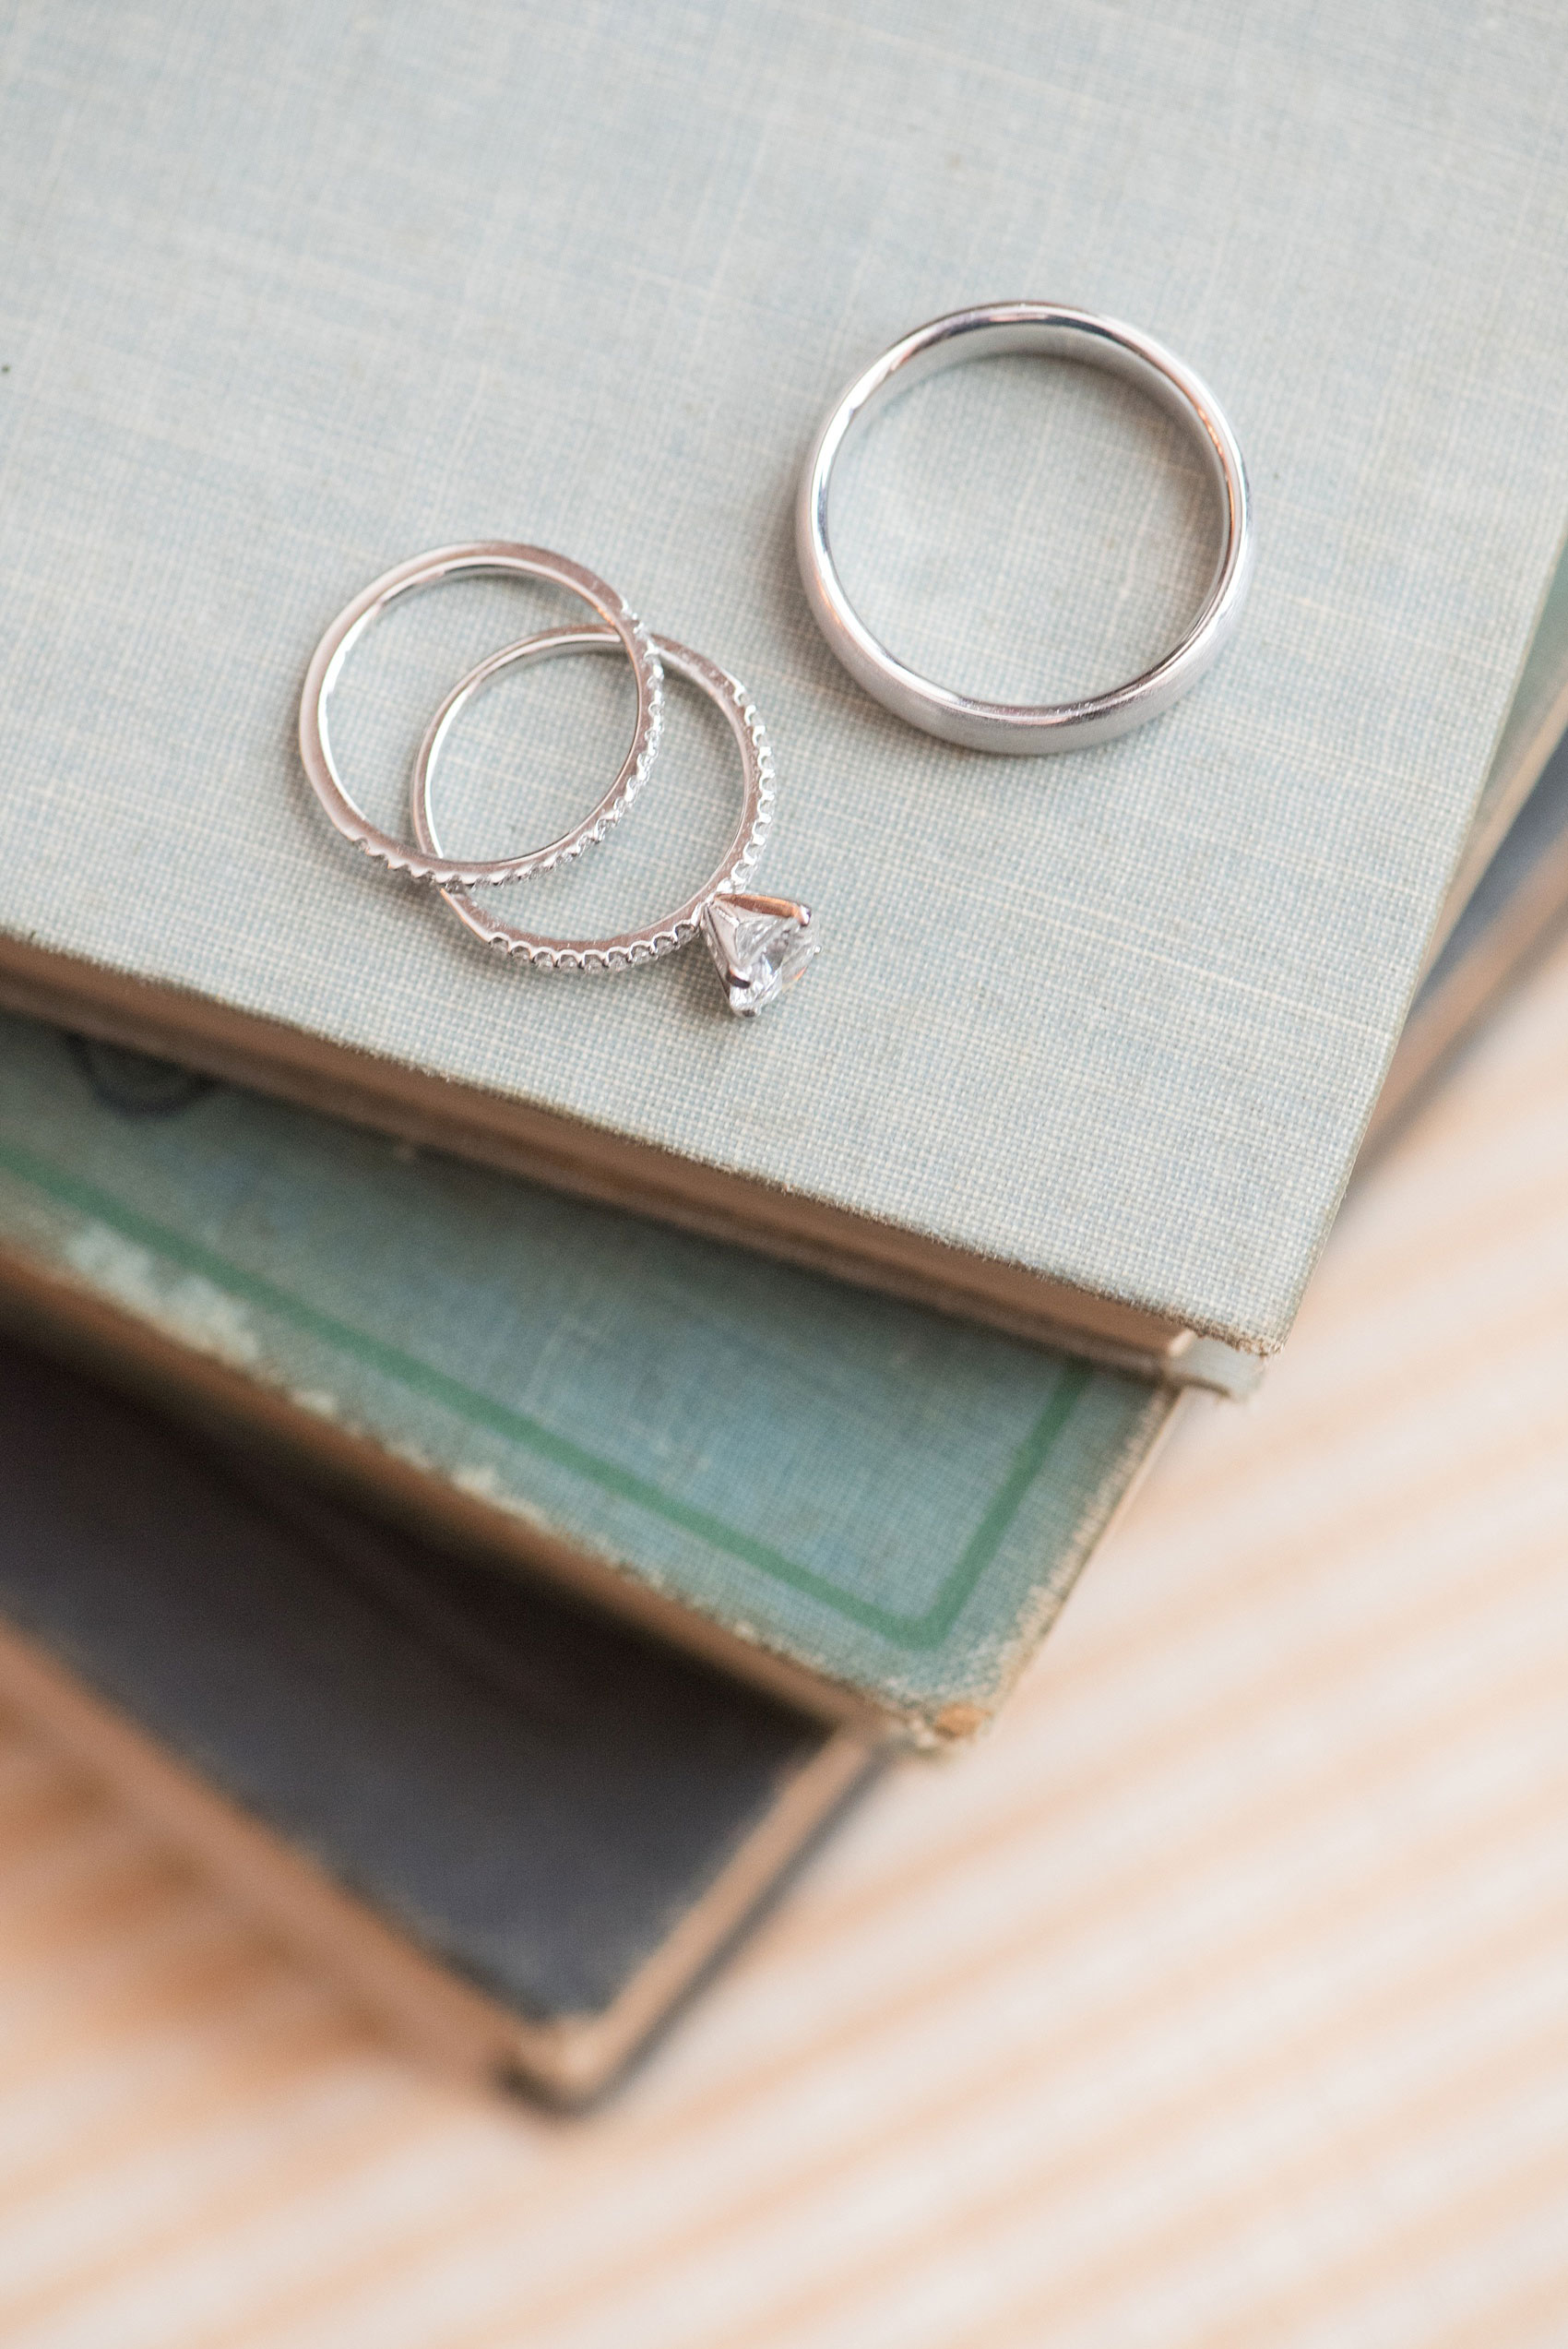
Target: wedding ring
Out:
[479,557]
[1050,330]
[759,944]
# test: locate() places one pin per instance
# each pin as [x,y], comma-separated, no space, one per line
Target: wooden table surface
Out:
[1220,1999]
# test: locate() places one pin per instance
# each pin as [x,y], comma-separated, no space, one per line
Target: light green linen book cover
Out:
[292,292]
[889,1507]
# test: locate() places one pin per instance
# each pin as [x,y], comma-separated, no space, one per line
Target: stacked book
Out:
[597,1431]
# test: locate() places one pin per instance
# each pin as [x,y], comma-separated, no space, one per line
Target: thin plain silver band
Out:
[479,557]
[626,946]
[1046,329]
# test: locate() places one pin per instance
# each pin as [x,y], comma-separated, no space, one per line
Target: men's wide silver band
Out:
[1048,331]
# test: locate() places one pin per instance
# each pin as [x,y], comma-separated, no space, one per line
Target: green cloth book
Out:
[292,294]
[872,1508]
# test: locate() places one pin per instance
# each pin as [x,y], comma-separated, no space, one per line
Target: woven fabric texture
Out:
[293,294]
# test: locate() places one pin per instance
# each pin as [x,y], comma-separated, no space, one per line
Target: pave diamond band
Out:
[479,557]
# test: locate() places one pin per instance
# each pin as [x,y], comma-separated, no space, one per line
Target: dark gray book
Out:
[518,1831]
[1512,911]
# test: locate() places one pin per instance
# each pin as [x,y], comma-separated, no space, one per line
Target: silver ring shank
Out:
[1048,331]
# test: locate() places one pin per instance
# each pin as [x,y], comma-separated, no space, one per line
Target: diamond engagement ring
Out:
[1049,330]
[759,944]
